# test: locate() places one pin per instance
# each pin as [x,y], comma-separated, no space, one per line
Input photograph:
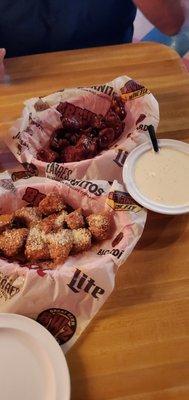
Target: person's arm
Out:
[166,15]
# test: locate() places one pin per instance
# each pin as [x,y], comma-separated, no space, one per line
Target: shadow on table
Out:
[162,230]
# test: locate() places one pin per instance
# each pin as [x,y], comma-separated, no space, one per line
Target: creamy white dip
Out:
[164,176]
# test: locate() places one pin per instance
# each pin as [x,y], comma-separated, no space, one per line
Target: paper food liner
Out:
[32,131]
[65,299]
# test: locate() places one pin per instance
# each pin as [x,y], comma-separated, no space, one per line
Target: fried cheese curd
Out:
[60,244]
[52,203]
[6,221]
[99,225]
[46,235]
[75,219]
[12,241]
[81,239]
[27,216]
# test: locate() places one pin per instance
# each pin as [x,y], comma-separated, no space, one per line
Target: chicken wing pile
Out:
[83,134]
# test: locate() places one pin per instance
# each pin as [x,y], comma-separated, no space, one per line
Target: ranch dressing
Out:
[164,176]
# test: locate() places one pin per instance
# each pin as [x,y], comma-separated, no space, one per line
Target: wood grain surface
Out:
[137,347]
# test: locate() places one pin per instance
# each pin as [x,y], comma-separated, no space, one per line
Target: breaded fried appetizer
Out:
[12,241]
[27,216]
[36,245]
[81,239]
[47,224]
[60,220]
[99,225]
[52,203]
[5,221]
[60,245]
[75,219]
[53,222]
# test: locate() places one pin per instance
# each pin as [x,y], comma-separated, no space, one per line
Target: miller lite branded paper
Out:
[33,130]
[65,299]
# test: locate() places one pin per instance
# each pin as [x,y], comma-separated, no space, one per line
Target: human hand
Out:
[2,55]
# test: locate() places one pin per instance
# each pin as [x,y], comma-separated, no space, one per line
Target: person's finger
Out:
[2,54]
[2,69]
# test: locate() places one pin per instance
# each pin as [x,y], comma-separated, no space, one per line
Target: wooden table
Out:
[137,348]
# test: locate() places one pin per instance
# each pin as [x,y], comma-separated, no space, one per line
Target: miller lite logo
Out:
[82,281]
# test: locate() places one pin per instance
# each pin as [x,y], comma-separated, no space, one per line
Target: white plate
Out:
[32,364]
[129,181]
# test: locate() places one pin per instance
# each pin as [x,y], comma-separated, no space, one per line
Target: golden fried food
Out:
[47,224]
[81,239]
[28,215]
[36,245]
[60,220]
[12,241]
[52,203]
[5,221]
[54,230]
[60,244]
[75,219]
[99,225]
[53,222]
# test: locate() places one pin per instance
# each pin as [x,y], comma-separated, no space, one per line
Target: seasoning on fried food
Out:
[99,225]
[75,219]
[60,245]
[12,241]
[52,203]
[27,216]
[36,245]
[81,239]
